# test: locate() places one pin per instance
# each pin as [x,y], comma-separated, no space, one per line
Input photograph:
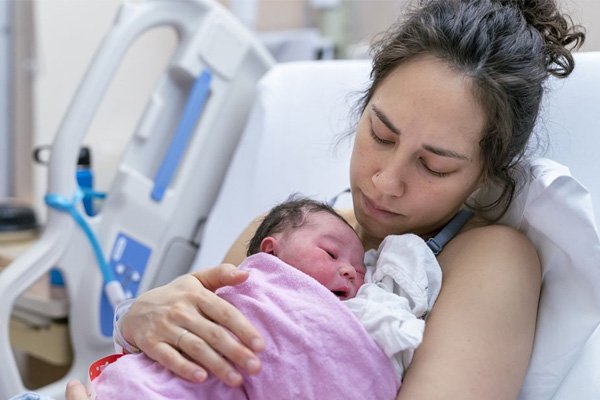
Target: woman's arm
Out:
[479,335]
[158,317]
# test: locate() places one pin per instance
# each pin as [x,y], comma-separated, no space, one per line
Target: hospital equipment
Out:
[166,183]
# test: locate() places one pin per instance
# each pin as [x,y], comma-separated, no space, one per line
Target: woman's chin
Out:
[372,231]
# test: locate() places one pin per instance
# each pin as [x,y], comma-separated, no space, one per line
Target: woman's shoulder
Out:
[490,291]
[491,248]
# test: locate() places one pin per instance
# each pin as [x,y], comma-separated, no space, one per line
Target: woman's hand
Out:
[187,328]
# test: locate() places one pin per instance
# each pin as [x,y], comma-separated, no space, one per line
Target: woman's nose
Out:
[389,182]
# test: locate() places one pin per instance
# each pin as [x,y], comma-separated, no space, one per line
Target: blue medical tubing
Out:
[92,193]
[56,278]
[61,203]
[85,180]
[193,108]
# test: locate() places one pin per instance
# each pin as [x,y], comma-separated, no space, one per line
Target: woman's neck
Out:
[370,241]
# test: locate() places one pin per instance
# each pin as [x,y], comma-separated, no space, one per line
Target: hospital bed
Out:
[291,143]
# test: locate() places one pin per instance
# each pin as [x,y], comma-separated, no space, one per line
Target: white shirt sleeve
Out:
[122,345]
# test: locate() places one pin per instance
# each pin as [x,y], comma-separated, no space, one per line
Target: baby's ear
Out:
[269,245]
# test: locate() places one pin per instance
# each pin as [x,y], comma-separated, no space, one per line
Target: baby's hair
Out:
[290,214]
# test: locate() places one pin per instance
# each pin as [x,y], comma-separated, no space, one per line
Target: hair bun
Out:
[560,34]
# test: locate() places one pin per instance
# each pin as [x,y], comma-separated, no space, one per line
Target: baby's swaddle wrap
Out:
[403,281]
[315,348]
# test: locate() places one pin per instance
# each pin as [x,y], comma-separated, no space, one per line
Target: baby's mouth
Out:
[341,293]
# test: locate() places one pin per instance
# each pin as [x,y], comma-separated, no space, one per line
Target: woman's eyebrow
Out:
[445,152]
[435,150]
[382,117]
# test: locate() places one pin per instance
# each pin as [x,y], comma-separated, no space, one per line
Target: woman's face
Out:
[416,155]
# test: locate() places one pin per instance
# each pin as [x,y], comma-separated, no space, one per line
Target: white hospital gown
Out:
[403,281]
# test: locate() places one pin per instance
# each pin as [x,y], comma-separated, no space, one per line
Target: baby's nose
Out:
[347,271]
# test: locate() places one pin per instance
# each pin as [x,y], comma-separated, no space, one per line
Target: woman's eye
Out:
[432,171]
[437,173]
[379,139]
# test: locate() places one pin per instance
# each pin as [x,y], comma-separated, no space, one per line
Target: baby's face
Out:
[328,250]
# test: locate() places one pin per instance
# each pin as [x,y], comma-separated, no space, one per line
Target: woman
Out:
[455,93]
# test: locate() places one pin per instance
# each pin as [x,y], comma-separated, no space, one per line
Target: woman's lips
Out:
[374,210]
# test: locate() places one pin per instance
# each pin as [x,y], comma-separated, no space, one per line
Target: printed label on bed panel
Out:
[128,261]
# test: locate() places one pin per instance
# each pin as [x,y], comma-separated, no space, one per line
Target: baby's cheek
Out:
[324,279]
[360,280]
[324,276]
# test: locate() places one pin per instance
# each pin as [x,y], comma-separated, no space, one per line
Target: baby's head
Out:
[313,238]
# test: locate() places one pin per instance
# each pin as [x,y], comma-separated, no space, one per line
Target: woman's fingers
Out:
[223,275]
[191,340]
[222,312]
[215,348]
[209,341]
[159,317]
[75,391]
[170,358]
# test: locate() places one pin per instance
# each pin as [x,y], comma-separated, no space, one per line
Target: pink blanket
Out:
[315,348]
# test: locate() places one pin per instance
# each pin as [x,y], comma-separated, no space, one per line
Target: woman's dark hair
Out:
[290,214]
[507,48]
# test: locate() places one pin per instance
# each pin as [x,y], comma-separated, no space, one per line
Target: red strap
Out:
[97,366]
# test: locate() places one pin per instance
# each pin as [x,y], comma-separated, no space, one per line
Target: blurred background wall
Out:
[55,40]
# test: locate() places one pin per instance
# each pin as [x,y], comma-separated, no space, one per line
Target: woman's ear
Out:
[269,245]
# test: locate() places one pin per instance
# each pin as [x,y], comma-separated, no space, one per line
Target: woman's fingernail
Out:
[199,376]
[252,365]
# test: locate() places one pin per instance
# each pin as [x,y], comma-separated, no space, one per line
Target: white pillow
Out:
[288,146]
[555,211]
